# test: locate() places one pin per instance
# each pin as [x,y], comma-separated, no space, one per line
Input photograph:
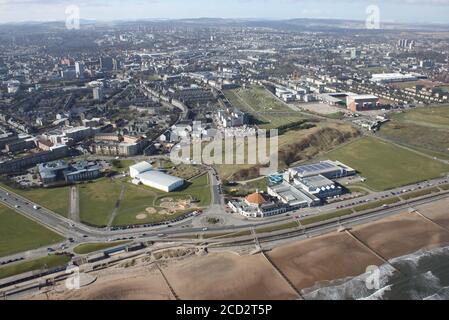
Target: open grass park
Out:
[18,234]
[386,165]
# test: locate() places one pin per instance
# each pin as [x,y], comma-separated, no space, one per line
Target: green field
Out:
[185,171]
[327,216]
[377,204]
[295,146]
[121,165]
[247,188]
[263,106]
[420,193]
[86,248]
[18,234]
[98,200]
[54,199]
[284,226]
[386,166]
[34,265]
[139,198]
[426,129]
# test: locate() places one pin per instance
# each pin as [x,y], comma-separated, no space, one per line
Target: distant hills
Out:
[300,24]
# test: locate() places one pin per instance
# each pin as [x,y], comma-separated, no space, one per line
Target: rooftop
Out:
[159,178]
[256,198]
[317,182]
[141,166]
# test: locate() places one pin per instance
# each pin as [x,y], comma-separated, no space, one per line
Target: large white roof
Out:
[142,166]
[159,178]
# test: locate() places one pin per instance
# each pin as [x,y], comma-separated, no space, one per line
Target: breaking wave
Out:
[423,275]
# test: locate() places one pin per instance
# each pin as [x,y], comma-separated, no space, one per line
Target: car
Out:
[205,229]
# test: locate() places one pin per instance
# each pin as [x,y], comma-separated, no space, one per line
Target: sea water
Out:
[423,275]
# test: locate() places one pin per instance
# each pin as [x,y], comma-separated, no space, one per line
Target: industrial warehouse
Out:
[143,173]
[300,187]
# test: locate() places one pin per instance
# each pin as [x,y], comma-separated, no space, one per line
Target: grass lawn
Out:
[426,129]
[54,199]
[289,225]
[327,216]
[34,265]
[294,146]
[18,234]
[185,171]
[121,165]
[419,193]
[377,204]
[386,166]
[260,103]
[86,248]
[226,235]
[138,198]
[260,184]
[98,200]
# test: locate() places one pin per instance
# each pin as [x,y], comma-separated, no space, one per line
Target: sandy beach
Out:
[325,258]
[438,212]
[401,235]
[226,275]
[118,284]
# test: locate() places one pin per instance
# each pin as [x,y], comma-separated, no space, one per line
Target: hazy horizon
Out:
[391,11]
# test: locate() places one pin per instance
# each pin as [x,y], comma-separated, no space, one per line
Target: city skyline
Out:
[397,11]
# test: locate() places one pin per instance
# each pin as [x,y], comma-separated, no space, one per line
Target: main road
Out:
[81,232]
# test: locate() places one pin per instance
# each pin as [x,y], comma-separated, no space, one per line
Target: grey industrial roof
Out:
[318,181]
[317,167]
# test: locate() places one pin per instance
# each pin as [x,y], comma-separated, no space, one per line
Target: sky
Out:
[401,11]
